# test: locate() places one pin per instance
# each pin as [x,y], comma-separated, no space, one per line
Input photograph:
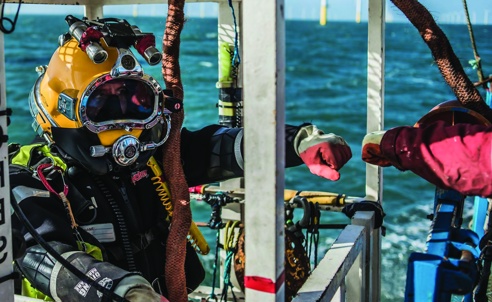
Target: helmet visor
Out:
[121,99]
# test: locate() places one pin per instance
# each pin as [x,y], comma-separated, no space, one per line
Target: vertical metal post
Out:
[6,287]
[375,90]
[375,120]
[92,11]
[366,219]
[264,119]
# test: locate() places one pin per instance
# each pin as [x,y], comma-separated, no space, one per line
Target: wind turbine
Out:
[323,12]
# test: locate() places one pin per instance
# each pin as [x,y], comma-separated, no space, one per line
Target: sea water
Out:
[326,70]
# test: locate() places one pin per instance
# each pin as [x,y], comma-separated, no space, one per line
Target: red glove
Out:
[323,154]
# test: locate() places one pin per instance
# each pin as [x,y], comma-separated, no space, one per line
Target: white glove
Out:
[371,149]
[136,289]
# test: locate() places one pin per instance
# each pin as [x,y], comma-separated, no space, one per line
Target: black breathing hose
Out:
[79,274]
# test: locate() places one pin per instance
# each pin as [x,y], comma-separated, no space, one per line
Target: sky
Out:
[444,11]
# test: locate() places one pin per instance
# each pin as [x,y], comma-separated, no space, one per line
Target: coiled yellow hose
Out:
[195,237]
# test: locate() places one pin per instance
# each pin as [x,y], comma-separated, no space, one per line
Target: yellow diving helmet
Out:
[95,103]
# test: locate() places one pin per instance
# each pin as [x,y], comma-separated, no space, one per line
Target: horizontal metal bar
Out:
[106,2]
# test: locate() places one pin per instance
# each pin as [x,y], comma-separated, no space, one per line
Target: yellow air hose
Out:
[195,237]
[323,198]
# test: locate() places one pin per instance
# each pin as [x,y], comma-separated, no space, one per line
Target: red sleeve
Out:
[451,157]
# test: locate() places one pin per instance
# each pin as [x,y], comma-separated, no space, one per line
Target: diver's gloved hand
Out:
[143,293]
[324,154]
[371,149]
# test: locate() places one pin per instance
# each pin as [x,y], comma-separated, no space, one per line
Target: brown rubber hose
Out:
[444,56]
[173,171]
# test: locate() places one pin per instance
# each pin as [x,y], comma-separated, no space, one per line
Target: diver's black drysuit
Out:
[120,216]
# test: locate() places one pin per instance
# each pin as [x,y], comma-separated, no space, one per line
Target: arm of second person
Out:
[454,157]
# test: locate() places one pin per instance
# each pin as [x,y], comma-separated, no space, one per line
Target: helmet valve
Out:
[98,150]
[125,149]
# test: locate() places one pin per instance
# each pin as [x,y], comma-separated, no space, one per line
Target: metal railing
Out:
[346,271]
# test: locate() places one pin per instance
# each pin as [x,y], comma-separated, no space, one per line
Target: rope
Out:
[62,195]
[444,56]
[236,58]
[478,61]
[235,62]
[214,274]
[227,276]
[230,243]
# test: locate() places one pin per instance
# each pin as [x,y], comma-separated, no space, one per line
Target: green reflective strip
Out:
[24,155]
[91,250]
[56,159]
[226,108]
[29,291]
[225,65]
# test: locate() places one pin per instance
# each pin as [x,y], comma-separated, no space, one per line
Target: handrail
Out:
[328,201]
[346,271]
[337,275]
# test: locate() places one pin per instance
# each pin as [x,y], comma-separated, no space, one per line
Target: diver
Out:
[88,196]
